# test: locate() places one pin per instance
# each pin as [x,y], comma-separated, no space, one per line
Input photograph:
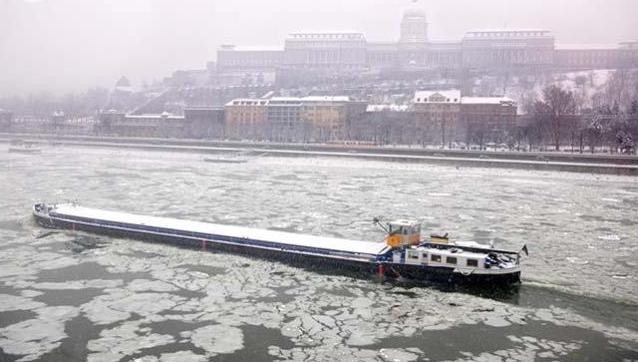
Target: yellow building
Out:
[326,115]
[245,118]
[291,119]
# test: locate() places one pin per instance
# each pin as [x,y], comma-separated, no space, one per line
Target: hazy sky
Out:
[71,45]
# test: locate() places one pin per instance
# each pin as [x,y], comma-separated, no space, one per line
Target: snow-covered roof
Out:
[438,96]
[153,116]
[507,30]
[326,99]
[247,101]
[285,99]
[280,237]
[311,99]
[561,46]
[249,48]
[486,100]
[387,107]
[327,35]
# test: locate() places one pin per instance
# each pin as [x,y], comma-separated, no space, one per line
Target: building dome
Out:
[414,12]
[414,26]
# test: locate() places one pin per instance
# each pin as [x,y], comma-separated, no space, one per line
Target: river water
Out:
[77,296]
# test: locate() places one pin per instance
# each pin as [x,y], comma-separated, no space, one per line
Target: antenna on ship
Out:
[378,220]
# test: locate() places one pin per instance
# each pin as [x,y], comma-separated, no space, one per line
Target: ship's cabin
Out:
[403,233]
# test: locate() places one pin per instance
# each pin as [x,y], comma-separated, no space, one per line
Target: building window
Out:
[435,257]
[450,260]
[472,262]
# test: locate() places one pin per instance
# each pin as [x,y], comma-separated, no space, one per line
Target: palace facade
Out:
[483,49]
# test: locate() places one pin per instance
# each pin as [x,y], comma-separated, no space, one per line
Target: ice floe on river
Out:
[311,310]
[152,302]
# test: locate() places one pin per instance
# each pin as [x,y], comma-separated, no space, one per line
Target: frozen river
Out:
[74,296]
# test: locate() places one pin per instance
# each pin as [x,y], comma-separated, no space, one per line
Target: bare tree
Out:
[556,104]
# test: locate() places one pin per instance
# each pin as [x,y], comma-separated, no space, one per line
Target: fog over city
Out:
[325,180]
[60,46]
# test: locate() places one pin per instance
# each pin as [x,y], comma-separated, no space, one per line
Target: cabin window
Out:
[450,260]
[435,257]
[413,255]
[424,256]
[472,262]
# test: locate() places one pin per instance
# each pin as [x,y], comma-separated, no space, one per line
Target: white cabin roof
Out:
[448,252]
[336,244]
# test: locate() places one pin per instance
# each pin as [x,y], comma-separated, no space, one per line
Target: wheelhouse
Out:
[403,233]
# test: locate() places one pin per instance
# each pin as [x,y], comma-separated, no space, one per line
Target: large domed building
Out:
[329,53]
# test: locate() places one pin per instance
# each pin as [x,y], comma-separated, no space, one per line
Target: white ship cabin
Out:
[403,233]
[454,258]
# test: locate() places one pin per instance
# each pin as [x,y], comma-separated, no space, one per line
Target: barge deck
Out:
[402,254]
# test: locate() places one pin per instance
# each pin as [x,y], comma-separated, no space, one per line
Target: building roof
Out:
[310,99]
[486,100]
[247,102]
[561,46]
[414,12]
[387,107]
[248,48]
[285,99]
[326,99]
[346,35]
[505,33]
[164,115]
[203,108]
[507,30]
[450,96]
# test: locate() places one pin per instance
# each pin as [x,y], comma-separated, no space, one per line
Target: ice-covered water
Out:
[75,296]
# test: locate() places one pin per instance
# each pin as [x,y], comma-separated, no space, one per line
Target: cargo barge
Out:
[402,253]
